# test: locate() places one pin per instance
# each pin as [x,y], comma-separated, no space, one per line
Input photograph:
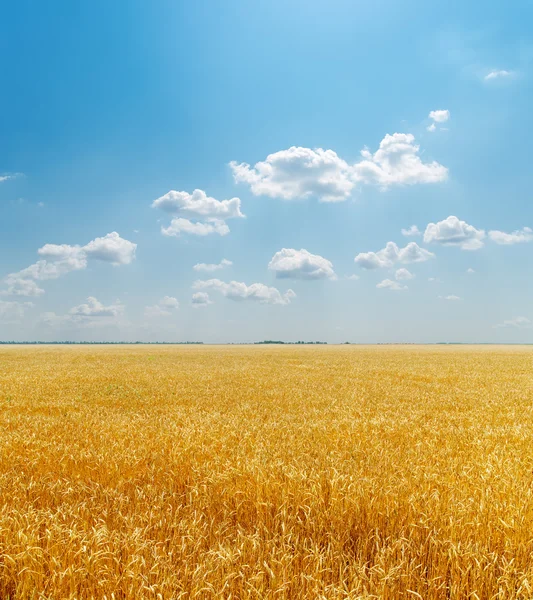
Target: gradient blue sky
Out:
[108,106]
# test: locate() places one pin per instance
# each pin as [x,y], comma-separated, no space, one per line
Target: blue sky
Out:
[112,114]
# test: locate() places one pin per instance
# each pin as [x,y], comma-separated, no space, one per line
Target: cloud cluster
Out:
[59,259]
[210,267]
[163,308]
[454,232]
[392,254]
[289,263]
[197,213]
[236,290]
[303,172]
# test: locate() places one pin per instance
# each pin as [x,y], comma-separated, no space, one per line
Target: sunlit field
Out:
[266,472]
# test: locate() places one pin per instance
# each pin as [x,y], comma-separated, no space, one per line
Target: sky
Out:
[238,171]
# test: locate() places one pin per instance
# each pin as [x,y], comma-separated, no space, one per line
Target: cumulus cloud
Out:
[397,162]
[94,308]
[517,323]
[209,267]
[392,254]
[403,275]
[163,308]
[200,299]
[236,290]
[391,285]
[179,226]
[13,312]
[454,232]
[516,237]
[89,314]
[498,74]
[303,172]
[289,263]
[208,213]
[439,116]
[60,259]
[111,248]
[411,231]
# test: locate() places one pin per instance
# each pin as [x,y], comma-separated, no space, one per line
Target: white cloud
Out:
[111,248]
[94,308]
[411,231]
[498,74]
[60,259]
[431,128]
[453,232]
[208,213]
[516,237]
[303,172]
[18,286]
[207,267]
[10,176]
[236,290]
[397,163]
[13,312]
[391,285]
[289,263]
[470,271]
[298,173]
[353,277]
[392,254]
[439,116]
[434,280]
[451,297]
[198,205]
[90,314]
[163,308]
[200,299]
[517,322]
[403,275]
[179,226]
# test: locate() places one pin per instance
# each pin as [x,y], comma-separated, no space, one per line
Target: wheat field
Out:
[266,472]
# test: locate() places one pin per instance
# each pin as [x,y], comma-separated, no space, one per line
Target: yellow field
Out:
[266,472]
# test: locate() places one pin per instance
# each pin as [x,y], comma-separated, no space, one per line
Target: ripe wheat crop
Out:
[266,472]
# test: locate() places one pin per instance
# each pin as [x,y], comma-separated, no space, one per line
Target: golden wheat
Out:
[266,472]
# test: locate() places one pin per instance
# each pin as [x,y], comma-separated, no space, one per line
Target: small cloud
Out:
[352,277]
[521,236]
[212,267]
[434,280]
[470,271]
[163,308]
[200,299]
[8,176]
[391,285]
[403,275]
[452,298]
[438,116]
[40,204]
[498,74]
[517,323]
[411,231]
